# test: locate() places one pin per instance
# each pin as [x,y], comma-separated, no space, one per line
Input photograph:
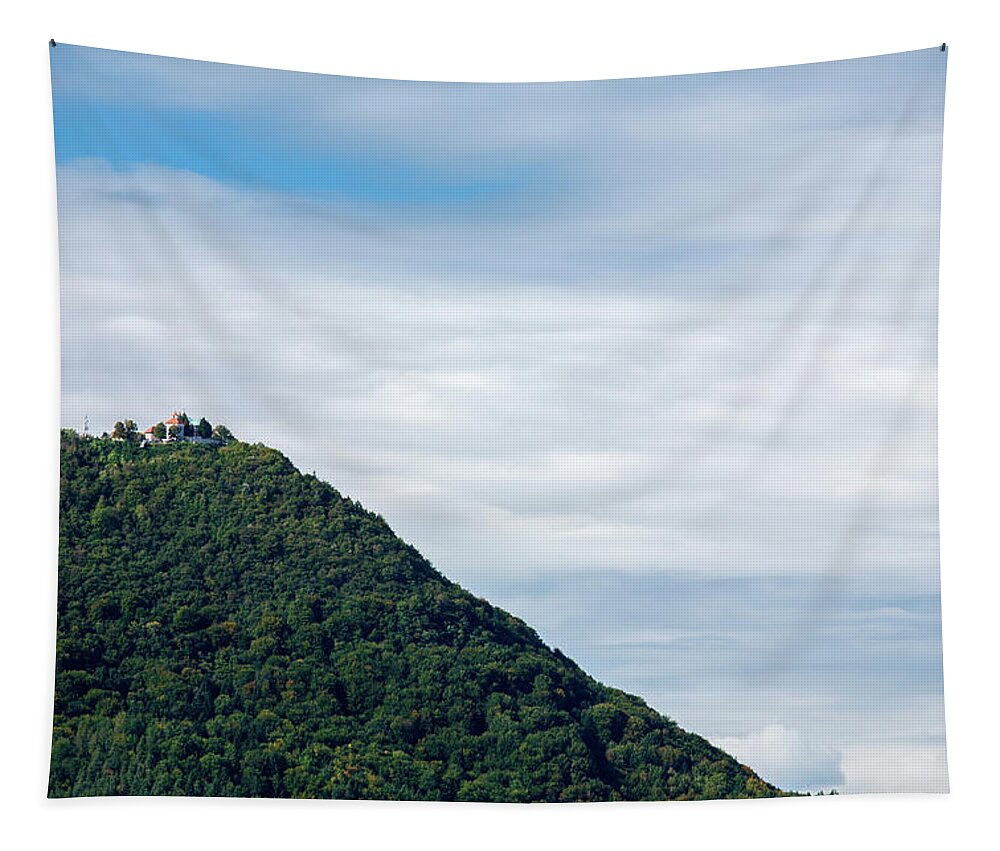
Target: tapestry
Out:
[508,442]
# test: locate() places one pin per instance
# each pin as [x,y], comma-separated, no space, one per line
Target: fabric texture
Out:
[618,404]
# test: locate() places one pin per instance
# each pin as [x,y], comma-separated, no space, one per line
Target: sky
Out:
[650,363]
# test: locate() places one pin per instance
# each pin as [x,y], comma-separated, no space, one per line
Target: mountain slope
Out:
[229,626]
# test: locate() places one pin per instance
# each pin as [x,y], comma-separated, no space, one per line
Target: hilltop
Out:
[230,626]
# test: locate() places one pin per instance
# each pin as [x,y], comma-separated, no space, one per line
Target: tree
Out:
[174,431]
[127,431]
[220,432]
[204,428]
[159,431]
[372,677]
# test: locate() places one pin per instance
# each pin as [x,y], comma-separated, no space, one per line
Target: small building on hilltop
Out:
[176,428]
[180,421]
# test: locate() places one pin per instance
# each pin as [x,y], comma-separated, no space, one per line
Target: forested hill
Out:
[229,626]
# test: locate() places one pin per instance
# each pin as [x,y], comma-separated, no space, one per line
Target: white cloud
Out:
[787,758]
[634,428]
[895,768]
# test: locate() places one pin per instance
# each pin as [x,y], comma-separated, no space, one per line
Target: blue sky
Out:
[649,362]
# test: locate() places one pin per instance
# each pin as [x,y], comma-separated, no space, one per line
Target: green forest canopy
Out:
[229,626]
